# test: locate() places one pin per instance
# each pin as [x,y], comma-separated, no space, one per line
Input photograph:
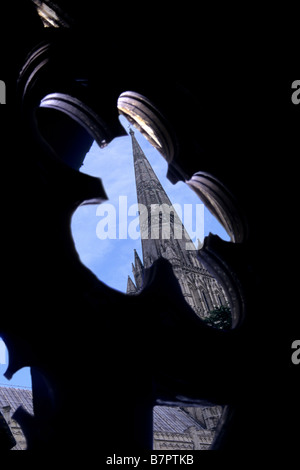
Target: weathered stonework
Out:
[177,428]
[199,288]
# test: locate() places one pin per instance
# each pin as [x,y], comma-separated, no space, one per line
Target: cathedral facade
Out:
[163,235]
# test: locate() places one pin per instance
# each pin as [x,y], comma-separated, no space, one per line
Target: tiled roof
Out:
[15,397]
[165,418]
[173,419]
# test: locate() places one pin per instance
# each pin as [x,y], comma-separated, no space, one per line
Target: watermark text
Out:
[296,94]
[2,92]
[155,222]
[296,354]
[2,352]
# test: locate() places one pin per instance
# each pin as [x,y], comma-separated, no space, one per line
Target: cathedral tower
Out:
[163,235]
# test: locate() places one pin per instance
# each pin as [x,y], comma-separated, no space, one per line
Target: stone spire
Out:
[131,289]
[137,269]
[163,235]
[161,228]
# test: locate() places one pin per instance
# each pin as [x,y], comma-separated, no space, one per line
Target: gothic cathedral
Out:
[163,235]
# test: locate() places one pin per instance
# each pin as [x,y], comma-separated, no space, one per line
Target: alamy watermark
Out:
[296,94]
[2,352]
[158,221]
[296,354]
[2,92]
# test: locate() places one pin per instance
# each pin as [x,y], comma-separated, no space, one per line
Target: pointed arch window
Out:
[205,300]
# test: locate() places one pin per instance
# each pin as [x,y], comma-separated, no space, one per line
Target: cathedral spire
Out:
[163,235]
[162,219]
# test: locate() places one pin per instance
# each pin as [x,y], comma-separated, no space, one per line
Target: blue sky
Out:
[21,378]
[110,259]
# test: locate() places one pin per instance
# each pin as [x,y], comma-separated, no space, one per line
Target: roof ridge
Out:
[19,387]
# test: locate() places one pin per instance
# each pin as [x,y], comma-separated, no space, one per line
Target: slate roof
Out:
[173,419]
[15,397]
[166,419]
